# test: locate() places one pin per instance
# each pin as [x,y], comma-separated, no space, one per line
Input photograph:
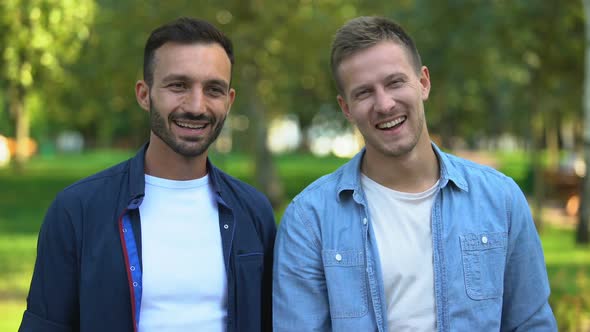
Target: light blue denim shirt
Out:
[489,270]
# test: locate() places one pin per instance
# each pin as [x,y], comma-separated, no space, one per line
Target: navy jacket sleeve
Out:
[52,303]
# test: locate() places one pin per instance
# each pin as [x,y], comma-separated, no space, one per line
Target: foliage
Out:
[499,66]
[281,60]
[496,66]
[39,37]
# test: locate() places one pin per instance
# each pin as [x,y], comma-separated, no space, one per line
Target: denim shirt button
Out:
[364,221]
[226,226]
[338,257]
[484,239]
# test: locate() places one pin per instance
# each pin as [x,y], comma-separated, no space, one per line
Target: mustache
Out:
[190,117]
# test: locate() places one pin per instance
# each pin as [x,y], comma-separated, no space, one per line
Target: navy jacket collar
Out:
[137,178]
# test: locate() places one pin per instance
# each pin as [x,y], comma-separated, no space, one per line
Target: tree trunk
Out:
[582,235]
[22,121]
[537,165]
[552,137]
[265,170]
[265,173]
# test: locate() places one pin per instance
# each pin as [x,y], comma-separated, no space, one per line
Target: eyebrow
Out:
[396,75]
[359,88]
[185,78]
[176,77]
[386,79]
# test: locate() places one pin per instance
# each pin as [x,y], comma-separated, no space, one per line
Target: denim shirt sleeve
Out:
[299,288]
[526,287]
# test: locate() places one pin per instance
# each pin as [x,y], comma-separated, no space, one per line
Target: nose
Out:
[193,100]
[384,101]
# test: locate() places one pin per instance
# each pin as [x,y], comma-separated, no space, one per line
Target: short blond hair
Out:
[366,31]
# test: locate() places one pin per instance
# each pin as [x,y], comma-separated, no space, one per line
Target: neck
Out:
[163,162]
[413,172]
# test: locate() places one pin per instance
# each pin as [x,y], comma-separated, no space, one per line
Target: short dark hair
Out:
[366,31]
[183,30]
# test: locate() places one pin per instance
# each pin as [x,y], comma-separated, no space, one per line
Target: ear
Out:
[345,109]
[425,82]
[142,94]
[232,97]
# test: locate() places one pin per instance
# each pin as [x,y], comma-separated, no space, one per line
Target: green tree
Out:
[582,234]
[497,67]
[38,38]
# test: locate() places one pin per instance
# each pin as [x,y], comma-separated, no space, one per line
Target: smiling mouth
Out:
[392,124]
[190,125]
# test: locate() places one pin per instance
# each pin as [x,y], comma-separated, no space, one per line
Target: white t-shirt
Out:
[403,231]
[184,278]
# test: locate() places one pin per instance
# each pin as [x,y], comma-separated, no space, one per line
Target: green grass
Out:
[296,170]
[11,312]
[25,197]
[568,266]
[565,260]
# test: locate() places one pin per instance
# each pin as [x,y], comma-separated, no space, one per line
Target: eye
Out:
[215,91]
[395,83]
[177,86]
[362,94]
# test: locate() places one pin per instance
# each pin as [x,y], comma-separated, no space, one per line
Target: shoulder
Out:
[476,174]
[328,192]
[324,187]
[104,182]
[86,199]
[485,184]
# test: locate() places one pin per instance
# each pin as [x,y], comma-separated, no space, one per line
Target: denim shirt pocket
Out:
[484,260]
[345,279]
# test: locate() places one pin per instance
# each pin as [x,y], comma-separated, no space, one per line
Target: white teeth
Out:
[190,125]
[392,123]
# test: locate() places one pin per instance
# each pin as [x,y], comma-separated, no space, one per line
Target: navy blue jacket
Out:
[87,275]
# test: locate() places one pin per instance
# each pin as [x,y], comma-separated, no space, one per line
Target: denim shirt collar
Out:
[350,179]
[448,171]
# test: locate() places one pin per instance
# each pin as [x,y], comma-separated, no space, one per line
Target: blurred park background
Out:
[507,90]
